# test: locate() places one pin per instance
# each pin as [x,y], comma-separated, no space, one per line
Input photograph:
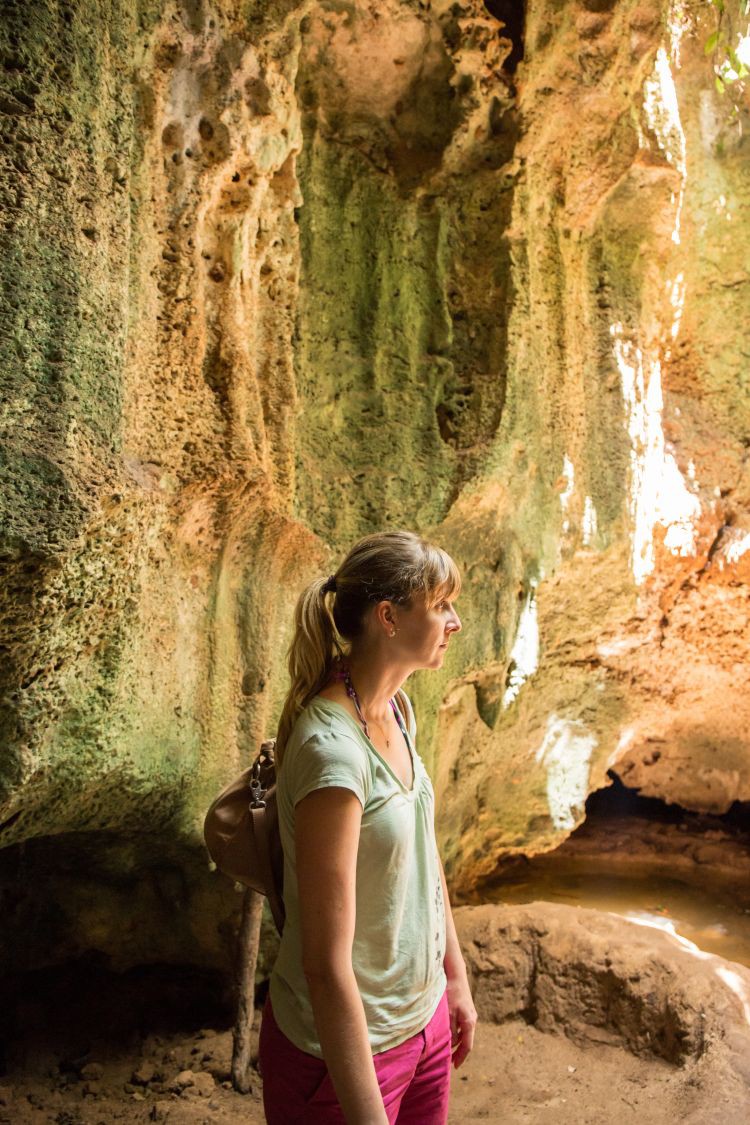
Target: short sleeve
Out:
[330,760]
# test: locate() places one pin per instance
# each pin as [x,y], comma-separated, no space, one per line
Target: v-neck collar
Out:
[320,699]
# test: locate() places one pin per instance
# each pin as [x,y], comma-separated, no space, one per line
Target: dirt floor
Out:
[515,1074]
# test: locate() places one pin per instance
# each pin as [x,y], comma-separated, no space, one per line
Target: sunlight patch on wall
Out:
[589,521]
[627,737]
[677,301]
[678,23]
[743,49]
[524,659]
[676,290]
[720,205]
[736,549]
[590,524]
[569,475]
[566,754]
[742,54]
[662,112]
[658,492]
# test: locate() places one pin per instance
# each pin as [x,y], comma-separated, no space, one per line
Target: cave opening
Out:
[513,16]
[618,799]
[653,862]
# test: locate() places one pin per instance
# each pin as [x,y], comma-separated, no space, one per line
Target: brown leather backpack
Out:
[241,831]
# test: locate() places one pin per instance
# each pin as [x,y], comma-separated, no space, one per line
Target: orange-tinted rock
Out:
[278,279]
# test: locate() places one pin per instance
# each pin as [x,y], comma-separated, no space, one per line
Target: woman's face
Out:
[424,633]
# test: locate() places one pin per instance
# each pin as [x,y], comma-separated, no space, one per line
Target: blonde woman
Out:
[369,1001]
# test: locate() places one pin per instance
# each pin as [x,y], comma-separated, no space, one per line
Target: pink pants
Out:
[414,1077]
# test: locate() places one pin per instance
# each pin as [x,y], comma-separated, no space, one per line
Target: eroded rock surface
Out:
[281,274]
[618,635]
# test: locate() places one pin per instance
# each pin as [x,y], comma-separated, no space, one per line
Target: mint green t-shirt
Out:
[399,935]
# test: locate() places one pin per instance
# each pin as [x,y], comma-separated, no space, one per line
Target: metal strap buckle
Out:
[257,791]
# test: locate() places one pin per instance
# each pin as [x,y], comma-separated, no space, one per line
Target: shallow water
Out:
[715,922]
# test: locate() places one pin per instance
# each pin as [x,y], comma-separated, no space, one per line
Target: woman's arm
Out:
[460,1003]
[327,825]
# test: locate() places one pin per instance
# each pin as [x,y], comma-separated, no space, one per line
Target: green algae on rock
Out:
[280,274]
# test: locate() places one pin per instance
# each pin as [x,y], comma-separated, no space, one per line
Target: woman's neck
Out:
[375,680]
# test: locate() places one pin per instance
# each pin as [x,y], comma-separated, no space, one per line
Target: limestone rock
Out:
[281,274]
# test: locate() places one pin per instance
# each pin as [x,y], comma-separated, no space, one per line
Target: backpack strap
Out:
[259,820]
[404,714]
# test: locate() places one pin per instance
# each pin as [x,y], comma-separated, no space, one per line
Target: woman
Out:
[369,996]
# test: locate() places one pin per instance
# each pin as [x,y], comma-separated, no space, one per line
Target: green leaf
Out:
[711,42]
[719,84]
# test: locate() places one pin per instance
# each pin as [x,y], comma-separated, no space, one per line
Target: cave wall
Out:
[563,288]
[148,457]
[280,274]
[626,365]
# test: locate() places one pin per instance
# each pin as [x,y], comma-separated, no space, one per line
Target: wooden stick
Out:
[247,958]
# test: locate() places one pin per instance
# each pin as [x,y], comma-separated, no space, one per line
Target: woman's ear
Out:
[384,617]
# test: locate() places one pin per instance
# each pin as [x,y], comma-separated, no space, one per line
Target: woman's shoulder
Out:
[322,725]
[323,750]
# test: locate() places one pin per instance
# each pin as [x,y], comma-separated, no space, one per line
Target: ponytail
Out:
[310,658]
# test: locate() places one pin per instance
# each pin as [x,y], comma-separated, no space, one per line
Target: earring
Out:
[393,632]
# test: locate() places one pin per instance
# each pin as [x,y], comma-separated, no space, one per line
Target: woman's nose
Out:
[454,624]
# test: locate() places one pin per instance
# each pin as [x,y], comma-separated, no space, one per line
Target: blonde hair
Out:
[387,566]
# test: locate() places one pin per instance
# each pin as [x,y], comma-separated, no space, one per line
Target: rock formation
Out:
[278,274]
[599,979]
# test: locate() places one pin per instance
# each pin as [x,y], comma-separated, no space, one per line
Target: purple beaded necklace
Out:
[351,692]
